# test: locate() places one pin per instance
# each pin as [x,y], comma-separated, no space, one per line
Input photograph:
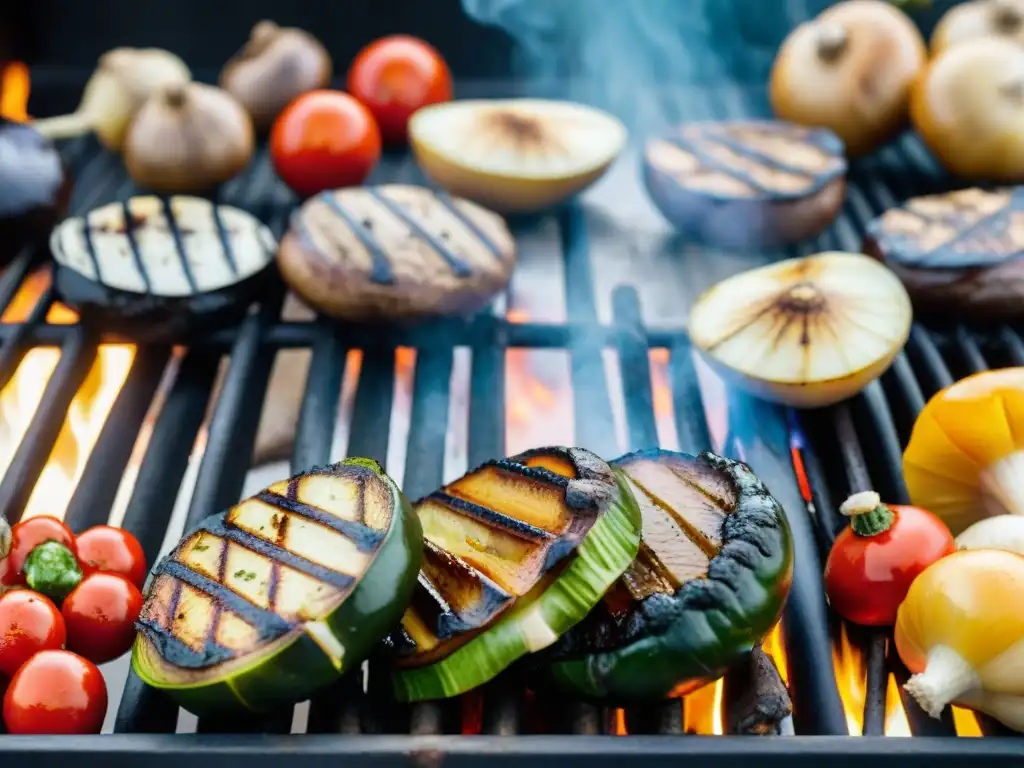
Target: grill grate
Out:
[853,446]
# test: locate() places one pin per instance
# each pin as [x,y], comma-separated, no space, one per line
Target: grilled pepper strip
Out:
[52,570]
[709,583]
[276,598]
[518,551]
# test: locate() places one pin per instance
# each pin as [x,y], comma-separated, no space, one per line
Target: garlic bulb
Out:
[1004,532]
[188,139]
[123,80]
[276,65]
[804,332]
[514,155]
[961,631]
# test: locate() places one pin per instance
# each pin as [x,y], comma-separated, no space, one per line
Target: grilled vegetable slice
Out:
[264,604]
[710,581]
[517,551]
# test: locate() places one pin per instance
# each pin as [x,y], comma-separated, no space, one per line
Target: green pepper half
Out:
[710,581]
[517,551]
[264,604]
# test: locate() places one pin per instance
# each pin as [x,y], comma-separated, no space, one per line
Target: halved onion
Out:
[515,155]
[804,332]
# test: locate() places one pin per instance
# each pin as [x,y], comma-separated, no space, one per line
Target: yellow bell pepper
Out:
[961,631]
[965,459]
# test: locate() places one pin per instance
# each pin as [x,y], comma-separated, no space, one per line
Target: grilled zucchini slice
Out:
[710,581]
[262,605]
[516,552]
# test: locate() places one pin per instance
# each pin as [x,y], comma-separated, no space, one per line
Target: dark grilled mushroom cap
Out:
[395,252]
[746,183]
[958,253]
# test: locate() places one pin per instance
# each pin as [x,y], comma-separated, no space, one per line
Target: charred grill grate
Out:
[850,447]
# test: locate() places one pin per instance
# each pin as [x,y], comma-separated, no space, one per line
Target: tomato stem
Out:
[868,515]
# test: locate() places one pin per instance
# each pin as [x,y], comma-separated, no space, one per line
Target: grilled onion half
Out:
[516,552]
[264,604]
[710,581]
[804,332]
[515,155]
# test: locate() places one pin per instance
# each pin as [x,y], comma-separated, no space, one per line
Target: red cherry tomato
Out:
[112,550]
[867,577]
[394,77]
[29,623]
[29,534]
[56,692]
[100,615]
[324,140]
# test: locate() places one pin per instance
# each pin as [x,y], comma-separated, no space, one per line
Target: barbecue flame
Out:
[21,396]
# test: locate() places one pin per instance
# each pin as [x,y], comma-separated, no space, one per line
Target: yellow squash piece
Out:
[961,631]
[965,459]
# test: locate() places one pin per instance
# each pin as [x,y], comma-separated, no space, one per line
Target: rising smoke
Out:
[646,61]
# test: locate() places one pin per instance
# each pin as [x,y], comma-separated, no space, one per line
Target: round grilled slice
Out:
[395,252]
[709,582]
[740,184]
[157,269]
[959,254]
[516,552]
[264,604]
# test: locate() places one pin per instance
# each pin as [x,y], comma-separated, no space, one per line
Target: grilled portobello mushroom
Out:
[159,269]
[264,604]
[516,552]
[710,581]
[959,254]
[746,183]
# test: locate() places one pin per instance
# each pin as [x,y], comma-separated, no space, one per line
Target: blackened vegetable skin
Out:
[668,644]
[34,188]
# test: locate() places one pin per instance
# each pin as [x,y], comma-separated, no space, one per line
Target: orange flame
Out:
[14,92]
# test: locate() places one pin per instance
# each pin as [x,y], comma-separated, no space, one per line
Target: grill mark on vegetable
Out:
[280,536]
[492,517]
[133,244]
[698,538]
[750,152]
[380,265]
[267,623]
[172,605]
[458,267]
[90,248]
[275,553]
[446,200]
[534,473]
[218,606]
[225,240]
[178,653]
[365,538]
[179,244]
[714,164]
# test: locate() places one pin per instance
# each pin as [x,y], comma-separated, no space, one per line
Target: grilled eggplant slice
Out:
[161,269]
[516,552]
[710,581]
[262,605]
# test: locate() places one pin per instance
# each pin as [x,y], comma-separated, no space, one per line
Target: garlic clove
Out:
[123,80]
[804,332]
[515,154]
[276,65]
[188,139]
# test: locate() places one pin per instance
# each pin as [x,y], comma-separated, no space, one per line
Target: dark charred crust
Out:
[175,652]
[754,533]
[539,474]
[518,527]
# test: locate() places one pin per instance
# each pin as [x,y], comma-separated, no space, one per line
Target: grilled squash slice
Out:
[516,552]
[709,582]
[262,605]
